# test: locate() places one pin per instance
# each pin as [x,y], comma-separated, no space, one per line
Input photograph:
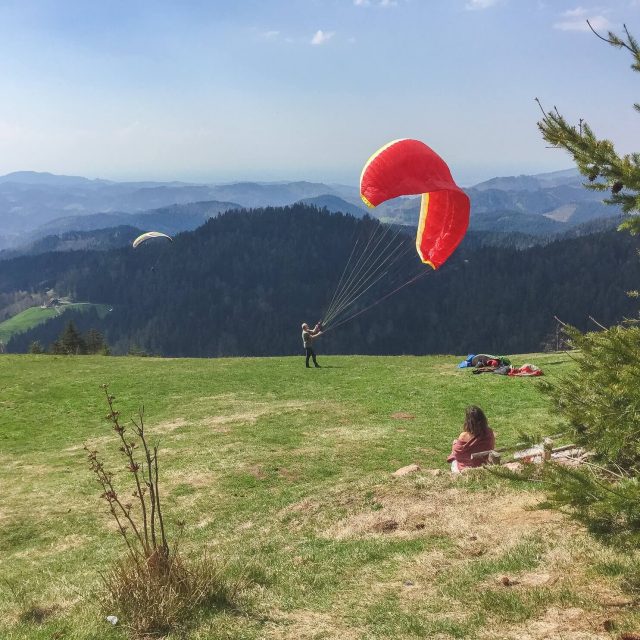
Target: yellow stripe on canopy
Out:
[424,210]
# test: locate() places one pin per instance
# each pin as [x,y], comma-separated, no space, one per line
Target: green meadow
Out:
[283,475]
[34,316]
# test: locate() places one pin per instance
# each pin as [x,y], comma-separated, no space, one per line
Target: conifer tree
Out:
[601,398]
[95,342]
[71,341]
[35,347]
[596,158]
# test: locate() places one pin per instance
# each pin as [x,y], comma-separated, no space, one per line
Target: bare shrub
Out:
[154,588]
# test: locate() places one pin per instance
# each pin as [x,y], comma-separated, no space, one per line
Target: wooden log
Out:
[564,448]
[480,455]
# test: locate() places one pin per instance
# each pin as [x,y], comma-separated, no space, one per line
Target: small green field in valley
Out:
[283,475]
[34,316]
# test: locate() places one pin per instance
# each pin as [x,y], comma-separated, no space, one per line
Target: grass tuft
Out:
[155,598]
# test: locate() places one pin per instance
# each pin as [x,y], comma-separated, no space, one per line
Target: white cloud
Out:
[378,3]
[480,4]
[578,12]
[578,21]
[270,35]
[320,37]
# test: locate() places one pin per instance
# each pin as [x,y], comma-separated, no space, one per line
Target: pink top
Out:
[461,451]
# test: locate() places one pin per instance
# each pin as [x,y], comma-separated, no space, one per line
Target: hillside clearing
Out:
[286,473]
[34,316]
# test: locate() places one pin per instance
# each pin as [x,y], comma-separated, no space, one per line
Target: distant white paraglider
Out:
[150,234]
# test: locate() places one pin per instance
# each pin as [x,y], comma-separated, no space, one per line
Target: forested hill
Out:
[243,282]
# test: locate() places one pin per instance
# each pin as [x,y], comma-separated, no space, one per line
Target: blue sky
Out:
[303,89]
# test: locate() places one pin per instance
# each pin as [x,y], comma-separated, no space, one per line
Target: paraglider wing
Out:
[150,234]
[409,167]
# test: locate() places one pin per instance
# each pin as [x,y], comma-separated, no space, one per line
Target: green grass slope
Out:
[286,471]
[25,320]
[34,316]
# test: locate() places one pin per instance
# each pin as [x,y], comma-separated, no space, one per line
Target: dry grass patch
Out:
[61,546]
[311,625]
[488,536]
[196,478]
[495,519]
[289,475]
[256,471]
[250,411]
[571,623]
[356,433]
[168,426]
[20,466]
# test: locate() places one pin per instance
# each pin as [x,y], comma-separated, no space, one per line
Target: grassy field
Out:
[286,472]
[34,316]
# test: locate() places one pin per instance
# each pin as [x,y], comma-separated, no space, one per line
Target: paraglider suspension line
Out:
[365,272]
[415,278]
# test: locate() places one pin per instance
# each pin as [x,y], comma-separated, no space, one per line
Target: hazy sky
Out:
[302,89]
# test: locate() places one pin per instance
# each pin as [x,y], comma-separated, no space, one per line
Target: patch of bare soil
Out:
[402,415]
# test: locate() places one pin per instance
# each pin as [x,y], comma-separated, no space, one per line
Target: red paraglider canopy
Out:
[410,167]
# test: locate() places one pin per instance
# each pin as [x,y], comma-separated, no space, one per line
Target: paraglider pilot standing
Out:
[308,336]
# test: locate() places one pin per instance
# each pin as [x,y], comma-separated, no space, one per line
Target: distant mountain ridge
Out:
[99,239]
[559,196]
[532,182]
[30,200]
[48,179]
[45,204]
[170,219]
[334,204]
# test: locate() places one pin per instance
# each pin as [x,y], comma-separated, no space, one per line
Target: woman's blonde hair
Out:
[475,422]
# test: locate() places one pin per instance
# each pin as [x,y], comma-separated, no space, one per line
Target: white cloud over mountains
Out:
[576,20]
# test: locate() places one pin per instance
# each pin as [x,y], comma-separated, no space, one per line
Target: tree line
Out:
[241,285]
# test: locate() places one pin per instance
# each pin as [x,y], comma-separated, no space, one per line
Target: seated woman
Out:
[477,436]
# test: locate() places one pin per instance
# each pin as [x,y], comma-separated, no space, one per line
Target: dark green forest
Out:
[241,284]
